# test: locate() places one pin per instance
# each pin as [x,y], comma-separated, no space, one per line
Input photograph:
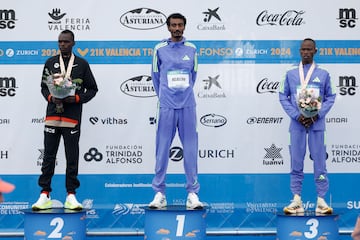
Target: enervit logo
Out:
[288,18]
[264,120]
[347,17]
[93,154]
[139,86]
[266,86]
[213,120]
[7,86]
[7,19]
[143,19]
[347,85]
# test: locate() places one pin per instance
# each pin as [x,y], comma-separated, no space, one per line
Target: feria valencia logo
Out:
[143,19]
[213,120]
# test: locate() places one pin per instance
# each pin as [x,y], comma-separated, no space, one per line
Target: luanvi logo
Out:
[7,19]
[273,156]
[143,19]
[347,17]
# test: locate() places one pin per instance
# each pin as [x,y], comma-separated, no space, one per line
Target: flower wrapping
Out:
[309,102]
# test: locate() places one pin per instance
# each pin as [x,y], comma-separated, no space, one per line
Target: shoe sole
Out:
[326,211]
[295,211]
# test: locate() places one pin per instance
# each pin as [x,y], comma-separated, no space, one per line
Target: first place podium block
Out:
[308,225]
[56,223]
[175,222]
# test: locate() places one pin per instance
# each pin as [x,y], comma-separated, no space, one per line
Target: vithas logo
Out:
[347,85]
[347,17]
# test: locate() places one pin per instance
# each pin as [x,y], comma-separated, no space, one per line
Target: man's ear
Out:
[316,50]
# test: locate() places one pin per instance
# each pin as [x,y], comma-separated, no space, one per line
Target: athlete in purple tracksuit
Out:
[174,70]
[301,126]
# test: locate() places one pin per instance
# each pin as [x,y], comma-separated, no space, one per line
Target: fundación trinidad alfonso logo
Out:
[143,19]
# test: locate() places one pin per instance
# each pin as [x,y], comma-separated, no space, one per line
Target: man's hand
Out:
[56,100]
[70,99]
[307,122]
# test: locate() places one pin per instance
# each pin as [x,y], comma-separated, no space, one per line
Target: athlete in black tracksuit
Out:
[65,123]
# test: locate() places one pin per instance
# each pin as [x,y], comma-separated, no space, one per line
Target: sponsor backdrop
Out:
[244,51]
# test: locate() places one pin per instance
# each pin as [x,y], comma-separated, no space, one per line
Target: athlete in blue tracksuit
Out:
[174,70]
[301,126]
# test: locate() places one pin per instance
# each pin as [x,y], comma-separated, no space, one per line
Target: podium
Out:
[308,225]
[175,222]
[55,223]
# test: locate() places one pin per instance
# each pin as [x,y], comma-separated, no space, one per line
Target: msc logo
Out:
[347,17]
[7,86]
[7,19]
[347,85]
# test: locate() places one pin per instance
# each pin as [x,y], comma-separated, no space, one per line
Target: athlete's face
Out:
[176,28]
[307,51]
[66,43]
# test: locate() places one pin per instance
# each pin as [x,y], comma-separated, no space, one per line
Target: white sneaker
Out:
[193,202]
[322,207]
[159,201]
[72,203]
[44,202]
[295,206]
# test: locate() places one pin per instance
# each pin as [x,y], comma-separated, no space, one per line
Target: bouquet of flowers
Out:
[60,86]
[308,102]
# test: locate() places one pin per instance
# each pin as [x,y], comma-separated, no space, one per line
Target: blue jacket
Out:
[171,58]
[288,95]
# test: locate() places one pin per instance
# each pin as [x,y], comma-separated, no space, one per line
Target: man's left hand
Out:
[70,99]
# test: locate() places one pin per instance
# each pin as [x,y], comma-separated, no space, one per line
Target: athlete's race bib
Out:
[178,79]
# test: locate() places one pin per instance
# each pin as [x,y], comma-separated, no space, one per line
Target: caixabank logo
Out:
[347,17]
[211,20]
[7,19]
[143,19]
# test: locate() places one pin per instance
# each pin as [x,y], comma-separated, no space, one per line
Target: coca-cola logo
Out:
[265,86]
[288,18]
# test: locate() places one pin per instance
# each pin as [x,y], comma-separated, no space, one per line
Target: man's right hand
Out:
[56,100]
[306,122]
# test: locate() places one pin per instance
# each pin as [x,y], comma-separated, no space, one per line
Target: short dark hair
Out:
[175,15]
[67,31]
[310,39]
